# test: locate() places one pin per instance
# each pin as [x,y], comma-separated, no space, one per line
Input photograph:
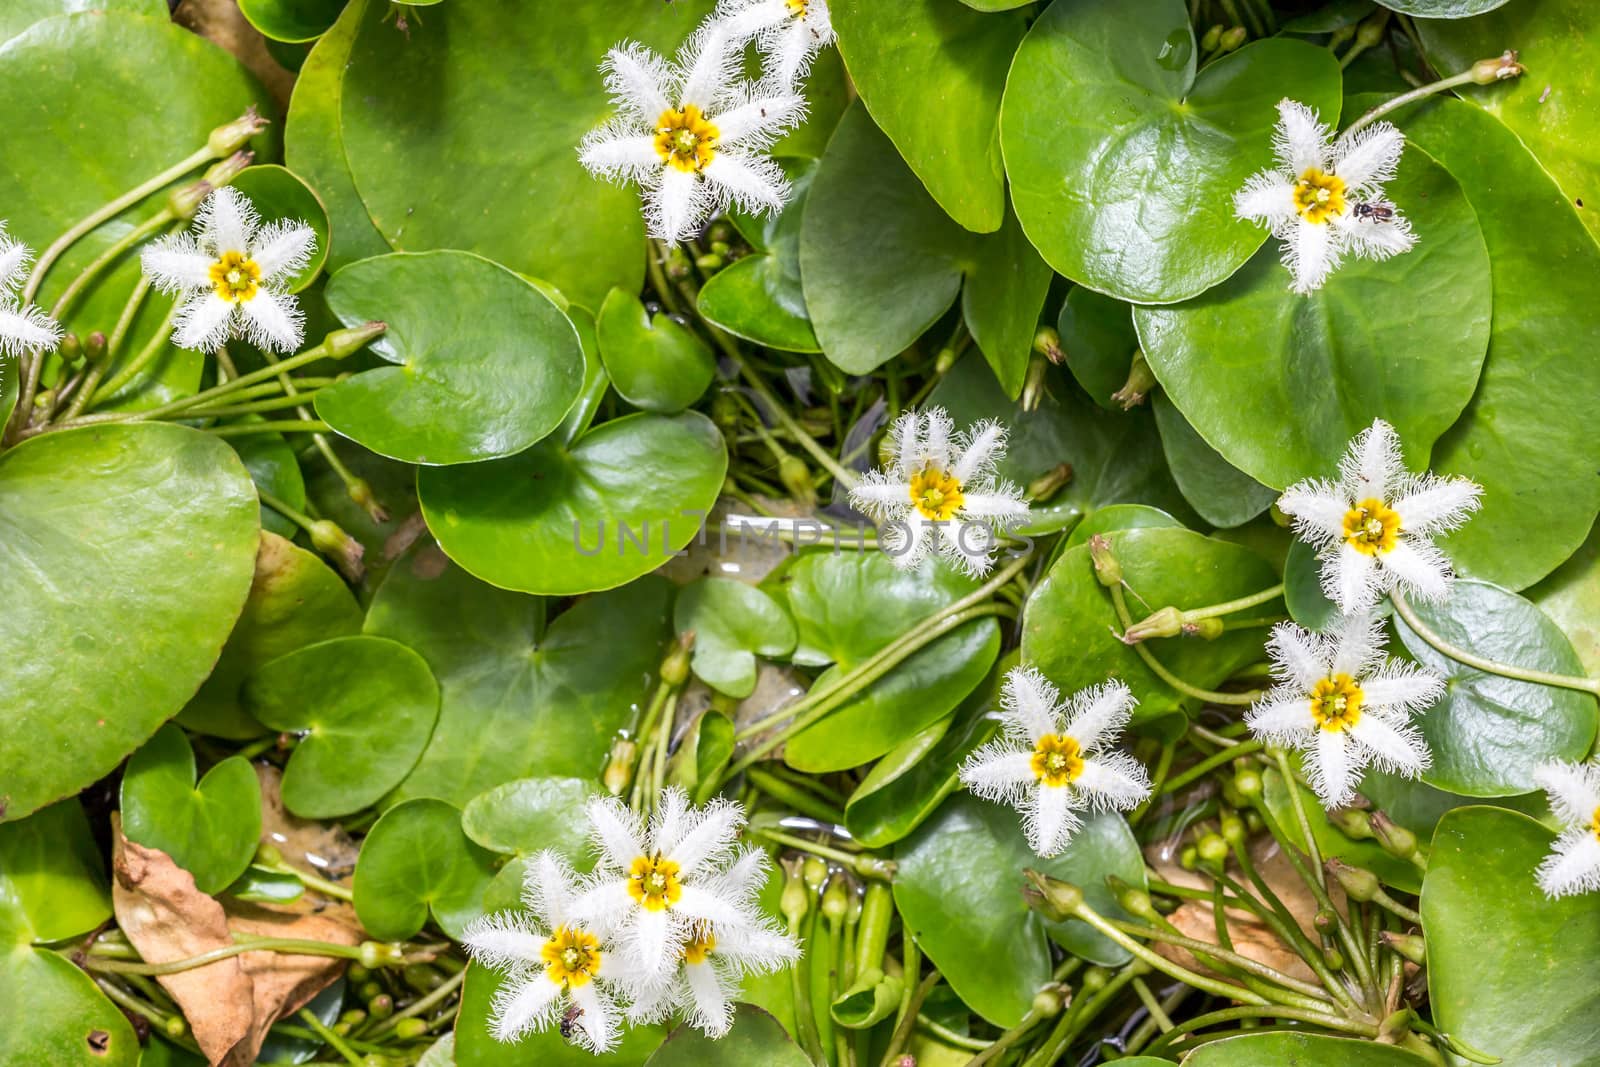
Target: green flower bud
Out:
[1212,37]
[1094,979]
[796,899]
[1497,69]
[1055,899]
[1352,822]
[361,492]
[816,872]
[70,349]
[1047,342]
[1204,629]
[175,1026]
[353,1017]
[1232,39]
[1395,839]
[710,262]
[675,667]
[381,1006]
[796,477]
[1106,567]
[1049,483]
[1033,383]
[331,540]
[1247,781]
[1189,858]
[1141,379]
[836,900]
[1047,1002]
[1164,623]
[1409,946]
[231,136]
[410,1029]
[619,765]
[1213,850]
[1357,883]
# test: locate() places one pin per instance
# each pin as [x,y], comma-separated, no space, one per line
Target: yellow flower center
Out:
[571,957]
[1594,823]
[1057,759]
[936,493]
[1336,703]
[235,277]
[653,883]
[797,8]
[685,140]
[1318,196]
[1371,526]
[700,946]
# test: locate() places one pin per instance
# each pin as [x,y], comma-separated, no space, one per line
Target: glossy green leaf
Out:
[266,885]
[1418,806]
[210,829]
[1133,194]
[295,600]
[393,484]
[1495,940]
[1284,1049]
[959,893]
[70,1023]
[732,623]
[278,193]
[275,470]
[414,863]
[1278,383]
[100,616]
[485,364]
[931,72]
[1302,589]
[1099,342]
[911,780]
[20,14]
[1002,301]
[756,1037]
[477,1047]
[52,876]
[1067,625]
[363,708]
[703,751]
[847,606]
[1221,493]
[562,520]
[293,21]
[531,814]
[519,699]
[1571,597]
[1488,733]
[1367,854]
[654,362]
[1118,517]
[463,133]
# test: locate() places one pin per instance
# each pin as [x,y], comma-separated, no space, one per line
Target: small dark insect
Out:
[569,1020]
[1376,212]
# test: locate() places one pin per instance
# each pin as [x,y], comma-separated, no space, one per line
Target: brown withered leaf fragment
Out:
[319,847]
[285,983]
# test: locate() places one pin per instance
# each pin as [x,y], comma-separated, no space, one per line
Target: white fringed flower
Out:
[691,133]
[23,327]
[717,957]
[231,274]
[556,966]
[1325,200]
[789,32]
[941,492]
[655,884]
[1345,704]
[1573,865]
[1374,527]
[1053,759]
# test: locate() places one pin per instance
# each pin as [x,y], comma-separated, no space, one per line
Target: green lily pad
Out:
[931,72]
[485,364]
[1418,806]
[52,877]
[1278,383]
[959,893]
[363,709]
[417,863]
[476,1046]
[70,1022]
[20,14]
[1221,493]
[1298,1050]
[1067,625]
[293,21]
[1494,940]
[295,600]
[278,193]
[1368,854]
[1118,517]
[210,829]
[530,814]
[1302,589]
[756,1037]
[1133,195]
[732,623]
[654,362]
[1488,733]
[274,469]
[562,520]
[483,105]
[518,699]
[128,554]
[1570,596]
[1099,341]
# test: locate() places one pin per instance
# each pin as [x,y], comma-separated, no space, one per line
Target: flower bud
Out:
[1049,483]
[361,492]
[1204,629]
[1047,1002]
[1233,830]
[1497,69]
[1106,567]
[1213,850]
[1333,959]
[1141,379]
[1395,839]
[375,954]
[1409,946]
[675,667]
[816,872]
[231,136]
[367,991]
[1278,517]
[1189,858]
[1094,979]
[619,765]
[1133,900]
[354,1017]
[354,974]
[410,1029]
[1047,342]
[1370,30]
[1212,37]
[796,899]
[329,538]
[1033,383]
[175,1027]
[1247,781]
[796,477]
[381,1006]
[421,977]
[1357,882]
[1352,822]
[268,855]
[1395,1026]
[725,412]
[1164,623]
[836,900]
[1232,39]
[944,361]
[70,349]
[349,341]
[710,262]
[1325,919]
[94,347]
[1056,900]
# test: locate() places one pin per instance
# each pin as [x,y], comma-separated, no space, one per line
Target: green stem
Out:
[1482,663]
[1228,607]
[1218,952]
[423,1004]
[99,263]
[311,881]
[1210,696]
[254,407]
[334,1041]
[1078,1016]
[949,1036]
[1152,1005]
[800,800]
[908,1019]
[1164,965]
[669,718]
[1205,766]
[1466,77]
[1385,901]
[152,347]
[287,945]
[1330,1022]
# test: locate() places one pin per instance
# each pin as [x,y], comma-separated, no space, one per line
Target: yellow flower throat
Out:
[936,493]
[1336,703]
[653,883]
[1057,760]
[1319,196]
[685,140]
[571,957]
[1371,527]
[235,277]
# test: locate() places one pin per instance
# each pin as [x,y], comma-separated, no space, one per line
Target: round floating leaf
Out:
[756,1037]
[279,194]
[461,133]
[1488,733]
[477,1047]
[1118,517]
[1298,1050]
[1099,342]
[1223,494]
[959,894]
[294,21]
[654,362]
[1571,597]
[1134,196]
[1068,624]
[561,520]
[416,862]
[932,72]
[128,553]
[52,877]
[70,1023]
[211,829]
[910,781]
[363,708]
[1494,940]
[530,814]
[485,363]
[518,699]
[20,14]
[1279,383]
[732,623]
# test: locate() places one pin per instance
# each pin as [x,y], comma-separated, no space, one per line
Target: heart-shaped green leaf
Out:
[654,362]
[1488,733]
[211,829]
[1570,596]
[293,21]
[518,699]
[1300,1050]
[732,623]
[414,863]
[1133,195]
[485,363]
[756,1037]
[1221,493]
[1302,589]
[52,877]
[563,520]
[530,814]
[363,708]
[278,193]
[128,554]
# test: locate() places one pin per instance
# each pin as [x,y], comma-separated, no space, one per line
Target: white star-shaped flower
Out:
[23,327]
[691,133]
[789,32]
[1573,865]
[1054,760]
[1374,527]
[655,885]
[231,274]
[556,966]
[1326,199]
[718,955]
[1345,704]
[941,492]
